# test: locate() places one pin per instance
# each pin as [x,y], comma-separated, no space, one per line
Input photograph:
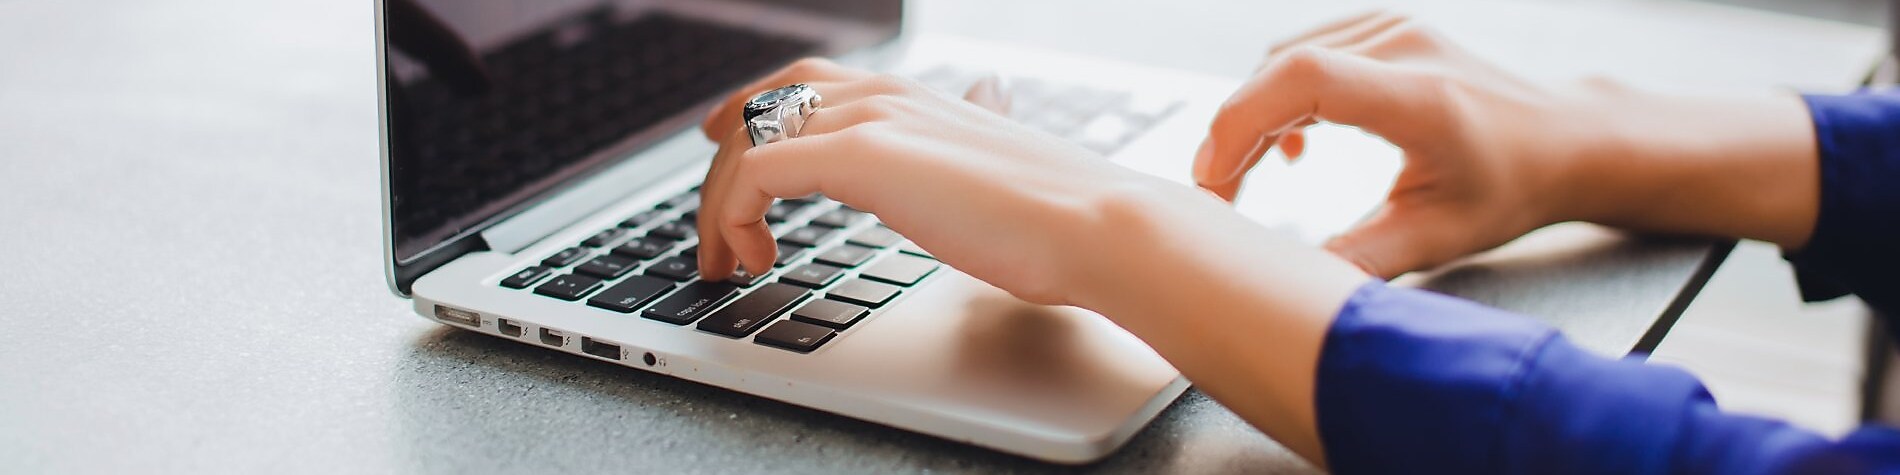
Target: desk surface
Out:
[195,278]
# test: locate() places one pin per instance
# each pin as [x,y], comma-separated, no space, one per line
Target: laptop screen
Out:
[493,103]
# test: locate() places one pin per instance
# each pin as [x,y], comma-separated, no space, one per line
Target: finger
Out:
[992,93]
[1345,36]
[1312,84]
[1293,144]
[870,109]
[1259,150]
[1400,40]
[786,169]
[1328,28]
[1395,241]
[716,260]
[836,93]
[871,103]
[1228,192]
[809,70]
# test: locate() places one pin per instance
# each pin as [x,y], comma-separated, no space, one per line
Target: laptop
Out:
[540,164]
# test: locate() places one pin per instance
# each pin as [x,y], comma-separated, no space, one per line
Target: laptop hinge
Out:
[650,166]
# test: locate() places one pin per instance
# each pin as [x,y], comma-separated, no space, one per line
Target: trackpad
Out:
[961,342]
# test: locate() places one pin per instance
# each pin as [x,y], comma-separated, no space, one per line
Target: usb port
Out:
[600,348]
[508,328]
[456,315]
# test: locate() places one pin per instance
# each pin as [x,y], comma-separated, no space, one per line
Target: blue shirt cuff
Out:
[1413,381]
[1852,246]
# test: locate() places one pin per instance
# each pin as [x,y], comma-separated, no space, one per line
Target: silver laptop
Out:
[540,163]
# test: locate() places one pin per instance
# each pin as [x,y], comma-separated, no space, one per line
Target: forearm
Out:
[1743,167]
[1239,309]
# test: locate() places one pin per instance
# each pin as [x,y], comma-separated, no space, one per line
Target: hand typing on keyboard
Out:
[959,180]
[1490,156]
[1245,312]
[1033,214]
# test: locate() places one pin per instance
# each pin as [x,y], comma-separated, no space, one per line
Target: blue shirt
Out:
[1410,381]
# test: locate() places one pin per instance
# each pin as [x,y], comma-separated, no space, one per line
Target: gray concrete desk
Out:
[192,276]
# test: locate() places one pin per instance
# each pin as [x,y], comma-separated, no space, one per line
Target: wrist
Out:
[1603,169]
[1118,223]
[1733,166]
[1238,308]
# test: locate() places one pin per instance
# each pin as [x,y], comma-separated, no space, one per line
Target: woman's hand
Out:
[1489,157]
[1008,205]
[1237,308]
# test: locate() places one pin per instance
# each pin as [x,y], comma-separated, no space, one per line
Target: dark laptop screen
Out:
[491,103]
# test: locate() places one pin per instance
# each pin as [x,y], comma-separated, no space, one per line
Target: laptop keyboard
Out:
[837,266]
[1100,120]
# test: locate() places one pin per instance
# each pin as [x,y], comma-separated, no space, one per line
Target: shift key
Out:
[750,312]
[690,302]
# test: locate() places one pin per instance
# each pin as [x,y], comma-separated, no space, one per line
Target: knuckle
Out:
[1407,29]
[1304,61]
[746,161]
[1422,36]
[865,136]
[884,104]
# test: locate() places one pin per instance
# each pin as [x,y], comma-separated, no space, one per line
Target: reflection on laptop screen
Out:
[493,102]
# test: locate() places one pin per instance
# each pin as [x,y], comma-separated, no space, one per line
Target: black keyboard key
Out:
[690,302]
[631,294]
[677,268]
[643,248]
[838,218]
[750,312]
[527,277]
[691,251]
[807,236]
[568,287]
[795,336]
[566,257]
[783,210]
[863,292]
[605,236]
[879,237]
[830,313]
[640,219]
[676,230]
[846,256]
[901,269]
[743,279]
[608,266]
[788,253]
[812,275]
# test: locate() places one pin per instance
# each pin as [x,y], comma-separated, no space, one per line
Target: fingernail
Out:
[1203,161]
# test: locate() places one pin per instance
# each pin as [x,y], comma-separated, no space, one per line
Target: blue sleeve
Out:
[1411,381]
[1853,248]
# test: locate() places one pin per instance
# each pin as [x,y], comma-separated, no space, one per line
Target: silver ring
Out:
[781,113]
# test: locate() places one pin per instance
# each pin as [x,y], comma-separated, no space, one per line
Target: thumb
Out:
[1399,239]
